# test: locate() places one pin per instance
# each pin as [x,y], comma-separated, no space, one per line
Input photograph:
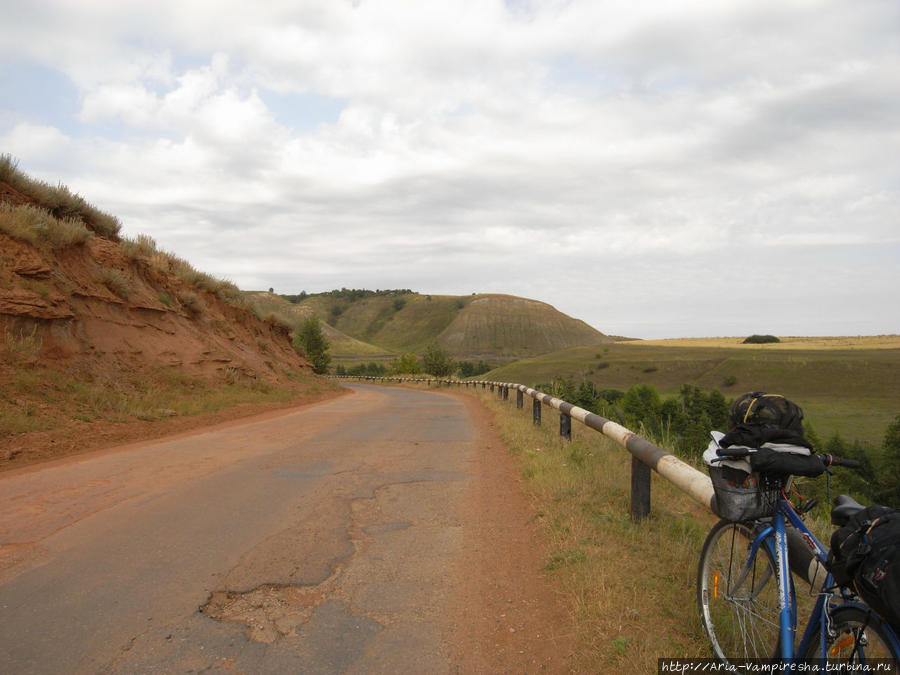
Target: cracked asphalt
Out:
[383,531]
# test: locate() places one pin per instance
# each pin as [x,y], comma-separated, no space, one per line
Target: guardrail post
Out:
[640,489]
[536,412]
[519,399]
[505,393]
[492,387]
[565,426]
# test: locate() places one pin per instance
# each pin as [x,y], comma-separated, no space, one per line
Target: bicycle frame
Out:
[778,546]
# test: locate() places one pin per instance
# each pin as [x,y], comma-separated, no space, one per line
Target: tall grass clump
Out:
[61,202]
[22,347]
[116,281]
[39,227]
[141,248]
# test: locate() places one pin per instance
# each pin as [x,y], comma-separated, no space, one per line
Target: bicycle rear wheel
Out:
[738,596]
[857,637]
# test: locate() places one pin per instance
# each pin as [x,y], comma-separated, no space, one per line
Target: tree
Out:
[309,338]
[437,361]
[406,364]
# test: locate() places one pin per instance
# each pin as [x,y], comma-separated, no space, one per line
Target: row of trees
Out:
[434,361]
[683,423]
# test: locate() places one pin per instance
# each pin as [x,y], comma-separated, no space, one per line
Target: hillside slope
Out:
[491,327]
[341,346]
[99,330]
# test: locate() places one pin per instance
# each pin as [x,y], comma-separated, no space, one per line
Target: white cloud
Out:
[560,142]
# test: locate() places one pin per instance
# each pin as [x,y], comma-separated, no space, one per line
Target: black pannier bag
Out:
[865,554]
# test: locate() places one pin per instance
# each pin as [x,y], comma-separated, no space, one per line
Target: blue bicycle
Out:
[745,589]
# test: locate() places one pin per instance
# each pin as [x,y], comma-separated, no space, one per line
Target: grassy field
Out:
[849,386]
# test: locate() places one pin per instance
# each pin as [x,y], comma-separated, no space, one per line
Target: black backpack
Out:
[768,410]
[756,418]
[865,554]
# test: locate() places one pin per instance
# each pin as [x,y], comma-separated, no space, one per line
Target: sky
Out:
[656,169]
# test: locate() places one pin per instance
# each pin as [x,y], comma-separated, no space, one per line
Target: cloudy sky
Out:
[658,169]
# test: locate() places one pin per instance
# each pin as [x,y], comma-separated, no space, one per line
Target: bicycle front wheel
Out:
[856,637]
[738,595]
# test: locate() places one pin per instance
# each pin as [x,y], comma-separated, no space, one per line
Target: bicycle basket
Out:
[742,496]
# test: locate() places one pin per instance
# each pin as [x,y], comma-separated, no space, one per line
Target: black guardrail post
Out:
[505,393]
[519,399]
[640,489]
[565,426]
[536,412]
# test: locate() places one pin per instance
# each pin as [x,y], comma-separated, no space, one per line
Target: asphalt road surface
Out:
[344,537]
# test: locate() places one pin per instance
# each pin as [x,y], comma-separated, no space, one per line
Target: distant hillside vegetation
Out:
[342,347]
[365,325]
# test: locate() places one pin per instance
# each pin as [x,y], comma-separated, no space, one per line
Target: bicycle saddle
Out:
[844,508]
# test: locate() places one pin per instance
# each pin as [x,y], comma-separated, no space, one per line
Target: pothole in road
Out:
[270,611]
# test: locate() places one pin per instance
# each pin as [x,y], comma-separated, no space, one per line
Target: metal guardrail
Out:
[645,455]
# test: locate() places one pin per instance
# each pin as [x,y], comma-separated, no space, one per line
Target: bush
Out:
[437,361]
[312,341]
[406,364]
[116,281]
[469,369]
[760,340]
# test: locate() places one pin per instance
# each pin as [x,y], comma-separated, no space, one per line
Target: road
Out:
[382,531]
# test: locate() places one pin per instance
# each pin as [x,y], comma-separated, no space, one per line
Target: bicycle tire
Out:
[857,636]
[740,613]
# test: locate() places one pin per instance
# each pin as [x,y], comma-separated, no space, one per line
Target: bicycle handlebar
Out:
[831,460]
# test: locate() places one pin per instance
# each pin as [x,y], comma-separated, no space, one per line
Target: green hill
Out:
[490,327]
[378,325]
[343,347]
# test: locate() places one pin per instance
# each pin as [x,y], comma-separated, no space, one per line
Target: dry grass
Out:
[58,200]
[116,281]
[36,399]
[40,228]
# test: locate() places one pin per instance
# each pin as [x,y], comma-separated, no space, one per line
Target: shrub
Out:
[437,361]
[116,281]
[191,302]
[406,364]
[760,339]
[142,247]
[22,349]
[312,341]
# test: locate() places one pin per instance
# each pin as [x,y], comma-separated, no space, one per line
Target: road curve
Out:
[331,539]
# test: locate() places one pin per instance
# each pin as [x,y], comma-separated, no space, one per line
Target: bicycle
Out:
[745,589]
